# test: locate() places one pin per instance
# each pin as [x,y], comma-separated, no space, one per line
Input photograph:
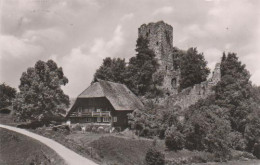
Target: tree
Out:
[193,68]
[139,76]
[112,70]
[174,139]
[141,69]
[7,94]
[210,132]
[154,157]
[252,129]
[41,96]
[234,91]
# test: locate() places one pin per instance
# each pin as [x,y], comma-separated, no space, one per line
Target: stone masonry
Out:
[160,40]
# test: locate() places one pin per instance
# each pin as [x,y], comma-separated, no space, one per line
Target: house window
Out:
[115,119]
[106,119]
[98,109]
[99,119]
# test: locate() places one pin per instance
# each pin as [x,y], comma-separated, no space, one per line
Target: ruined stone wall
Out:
[191,95]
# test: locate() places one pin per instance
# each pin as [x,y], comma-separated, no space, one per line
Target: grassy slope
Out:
[19,149]
[117,150]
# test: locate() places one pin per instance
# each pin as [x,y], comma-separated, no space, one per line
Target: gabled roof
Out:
[117,94]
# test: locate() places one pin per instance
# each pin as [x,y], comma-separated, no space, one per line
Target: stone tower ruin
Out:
[160,40]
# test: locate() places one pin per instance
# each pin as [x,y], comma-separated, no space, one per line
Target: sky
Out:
[79,34]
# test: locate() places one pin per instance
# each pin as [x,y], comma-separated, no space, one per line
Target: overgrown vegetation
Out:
[225,121]
[154,157]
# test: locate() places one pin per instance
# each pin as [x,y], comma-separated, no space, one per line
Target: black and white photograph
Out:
[129,82]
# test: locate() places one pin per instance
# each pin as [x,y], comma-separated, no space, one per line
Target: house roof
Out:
[118,95]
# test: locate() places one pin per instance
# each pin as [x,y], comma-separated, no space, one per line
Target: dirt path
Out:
[69,156]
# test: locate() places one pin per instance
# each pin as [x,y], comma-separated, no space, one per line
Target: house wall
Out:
[105,105]
[122,119]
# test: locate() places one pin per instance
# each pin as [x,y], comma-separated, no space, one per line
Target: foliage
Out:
[256,150]
[154,120]
[112,70]
[252,129]
[234,91]
[141,68]
[237,141]
[7,94]
[210,132]
[174,139]
[40,95]
[139,76]
[154,157]
[143,123]
[193,68]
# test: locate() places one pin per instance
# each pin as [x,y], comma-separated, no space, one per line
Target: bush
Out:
[256,150]
[237,141]
[174,139]
[154,157]
[206,129]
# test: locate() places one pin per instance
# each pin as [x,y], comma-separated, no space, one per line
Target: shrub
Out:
[236,141]
[207,130]
[154,157]
[256,150]
[174,139]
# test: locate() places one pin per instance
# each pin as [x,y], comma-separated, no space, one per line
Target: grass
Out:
[19,149]
[118,150]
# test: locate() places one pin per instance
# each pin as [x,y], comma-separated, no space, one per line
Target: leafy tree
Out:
[154,157]
[7,94]
[41,96]
[141,69]
[193,68]
[210,132]
[234,91]
[112,70]
[252,129]
[237,141]
[177,56]
[139,76]
[174,139]
[144,123]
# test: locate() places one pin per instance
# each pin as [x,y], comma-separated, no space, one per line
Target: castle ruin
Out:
[160,40]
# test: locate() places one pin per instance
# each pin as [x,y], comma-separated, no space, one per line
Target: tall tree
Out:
[112,70]
[7,94]
[193,68]
[234,91]
[41,96]
[141,68]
